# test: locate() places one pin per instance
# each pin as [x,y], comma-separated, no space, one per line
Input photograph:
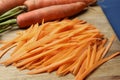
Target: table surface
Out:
[108,71]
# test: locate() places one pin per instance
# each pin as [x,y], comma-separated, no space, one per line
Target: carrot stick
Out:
[40,55]
[41,42]
[36,57]
[9,43]
[57,41]
[80,62]
[5,50]
[3,42]
[41,61]
[93,55]
[22,48]
[82,69]
[9,61]
[65,27]
[25,66]
[96,65]
[88,57]
[20,44]
[41,49]
[99,54]
[65,46]
[63,69]
[67,53]
[103,43]
[30,32]
[54,65]
[56,57]
[108,46]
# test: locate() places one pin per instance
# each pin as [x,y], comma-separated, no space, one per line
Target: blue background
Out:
[111,9]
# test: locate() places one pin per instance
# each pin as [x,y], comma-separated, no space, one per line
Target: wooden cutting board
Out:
[108,71]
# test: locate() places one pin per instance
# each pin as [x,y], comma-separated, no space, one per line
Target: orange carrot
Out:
[35,4]
[41,9]
[55,12]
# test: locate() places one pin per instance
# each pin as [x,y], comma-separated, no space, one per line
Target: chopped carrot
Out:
[67,46]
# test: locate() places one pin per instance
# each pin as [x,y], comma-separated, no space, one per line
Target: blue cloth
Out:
[111,8]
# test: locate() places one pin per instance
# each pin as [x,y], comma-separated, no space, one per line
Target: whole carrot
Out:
[32,5]
[35,4]
[6,5]
[48,14]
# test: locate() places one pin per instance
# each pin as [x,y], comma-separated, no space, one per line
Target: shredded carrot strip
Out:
[67,46]
[96,65]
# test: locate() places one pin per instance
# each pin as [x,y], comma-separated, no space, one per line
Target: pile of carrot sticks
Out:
[66,46]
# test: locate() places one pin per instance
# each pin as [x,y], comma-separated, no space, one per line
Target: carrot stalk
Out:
[13,12]
[5,28]
[8,23]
